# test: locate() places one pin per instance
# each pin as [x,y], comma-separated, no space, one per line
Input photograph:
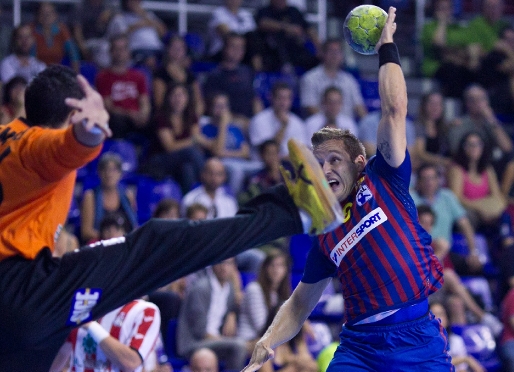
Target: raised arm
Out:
[391,134]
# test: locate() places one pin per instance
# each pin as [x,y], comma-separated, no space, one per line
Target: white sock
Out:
[306,221]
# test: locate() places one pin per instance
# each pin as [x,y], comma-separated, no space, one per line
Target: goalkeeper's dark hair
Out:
[45,95]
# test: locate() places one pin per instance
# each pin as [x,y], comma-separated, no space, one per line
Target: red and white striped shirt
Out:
[136,325]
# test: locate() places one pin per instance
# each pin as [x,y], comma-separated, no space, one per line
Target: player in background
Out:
[380,253]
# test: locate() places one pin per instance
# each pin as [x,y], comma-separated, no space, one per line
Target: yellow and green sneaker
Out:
[310,190]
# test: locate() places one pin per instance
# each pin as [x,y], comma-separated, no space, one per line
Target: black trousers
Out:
[39,297]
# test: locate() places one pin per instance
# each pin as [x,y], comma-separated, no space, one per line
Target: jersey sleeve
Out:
[317,266]
[54,153]
[394,176]
[145,331]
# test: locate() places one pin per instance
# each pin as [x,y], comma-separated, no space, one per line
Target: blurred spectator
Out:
[368,127]
[211,192]
[174,70]
[144,30]
[234,79]
[196,212]
[277,122]
[292,355]
[228,18]
[109,198]
[203,360]
[6,30]
[228,142]
[481,118]
[208,318]
[460,356]
[453,291]
[504,253]
[21,62]
[449,52]
[474,182]
[431,144]
[268,176]
[53,38]
[332,114]
[89,25]
[315,82]
[213,195]
[178,151]
[507,339]
[167,208]
[497,74]
[273,287]
[448,213]
[13,105]
[486,27]
[124,90]
[283,32]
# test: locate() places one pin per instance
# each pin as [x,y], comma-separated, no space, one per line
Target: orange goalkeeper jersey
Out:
[37,176]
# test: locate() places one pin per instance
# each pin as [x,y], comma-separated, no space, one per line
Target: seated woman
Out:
[174,71]
[229,143]
[53,38]
[273,286]
[179,139]
[474,182]
[108,198]
[431,144]
[13,100]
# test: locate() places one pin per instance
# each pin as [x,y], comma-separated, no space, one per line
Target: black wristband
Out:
[388,53]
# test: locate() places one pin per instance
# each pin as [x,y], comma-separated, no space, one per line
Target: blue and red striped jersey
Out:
[380,253]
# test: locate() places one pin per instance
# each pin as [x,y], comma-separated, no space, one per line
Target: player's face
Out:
[340,170]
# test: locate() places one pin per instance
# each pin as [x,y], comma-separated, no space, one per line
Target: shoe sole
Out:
[310,172]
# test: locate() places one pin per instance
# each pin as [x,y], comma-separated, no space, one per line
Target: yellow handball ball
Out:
[363,27]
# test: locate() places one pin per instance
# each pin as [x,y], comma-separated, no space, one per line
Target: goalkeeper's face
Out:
[340,170]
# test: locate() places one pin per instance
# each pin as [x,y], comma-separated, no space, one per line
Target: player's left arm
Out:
[391,134]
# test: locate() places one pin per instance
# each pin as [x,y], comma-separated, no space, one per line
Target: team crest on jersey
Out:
[84,300]
[363,195]
[119,319]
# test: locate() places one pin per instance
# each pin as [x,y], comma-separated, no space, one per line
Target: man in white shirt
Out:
[332,114]
[277,122]
[228,18]
[20,62]
[211,192]
[208,318]
[329,73]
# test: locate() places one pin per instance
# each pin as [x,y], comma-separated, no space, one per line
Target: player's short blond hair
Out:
[352,145]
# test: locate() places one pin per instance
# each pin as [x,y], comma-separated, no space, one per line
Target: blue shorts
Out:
[416,345]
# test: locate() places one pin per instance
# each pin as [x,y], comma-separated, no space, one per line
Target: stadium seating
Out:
[480,344]
[150,192]
[171,347]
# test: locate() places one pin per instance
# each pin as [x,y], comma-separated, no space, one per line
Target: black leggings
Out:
[39,297]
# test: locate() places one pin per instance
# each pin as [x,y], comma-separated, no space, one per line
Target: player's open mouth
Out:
[333,184]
